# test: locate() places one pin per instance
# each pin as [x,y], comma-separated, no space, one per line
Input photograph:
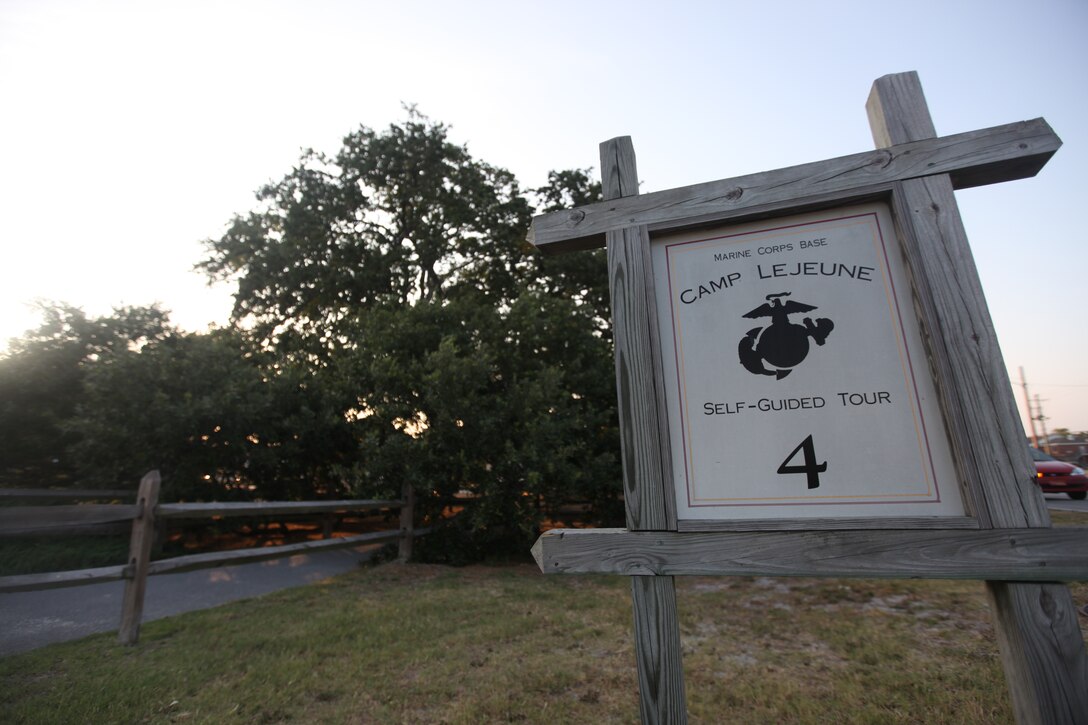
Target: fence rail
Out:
[266,508]
[28,520]
[60,520]
[59,579]
[65,493]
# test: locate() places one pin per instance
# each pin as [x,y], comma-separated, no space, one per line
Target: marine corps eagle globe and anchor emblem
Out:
[783,344]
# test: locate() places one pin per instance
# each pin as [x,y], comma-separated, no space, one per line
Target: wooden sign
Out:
[804,355]
[795,376]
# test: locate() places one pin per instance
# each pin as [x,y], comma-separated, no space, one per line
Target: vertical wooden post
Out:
[1037,629]
[644,439]
[139,556]
[647,472]
[407,514]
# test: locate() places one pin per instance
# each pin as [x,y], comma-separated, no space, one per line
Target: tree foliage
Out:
[393,219]
[215,418]
[97,402]
[467,363]
[41,383]
[393,326]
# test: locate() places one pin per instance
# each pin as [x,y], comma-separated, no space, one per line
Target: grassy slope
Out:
[425,644]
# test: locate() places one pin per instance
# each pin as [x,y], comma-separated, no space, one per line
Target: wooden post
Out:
[1037,629]
[139,556]
[647,484]
[1036,623]
[407,514]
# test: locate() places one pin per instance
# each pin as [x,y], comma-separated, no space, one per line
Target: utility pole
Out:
[1042,422]
[1027,402]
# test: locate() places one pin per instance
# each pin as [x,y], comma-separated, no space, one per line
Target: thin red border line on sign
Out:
[910,363]
[903,339]
[679,367]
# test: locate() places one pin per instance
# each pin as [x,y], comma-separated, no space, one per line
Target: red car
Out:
[1054,476]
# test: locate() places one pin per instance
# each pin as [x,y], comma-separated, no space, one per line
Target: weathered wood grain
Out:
[1010,554]
[139,556]
[1029,613]
[59,579]
[974,389]
[1002,153]
[973,386]
[27,520]
[644,436]
[972,381]
[265,508]
[1041,645]
[898,111]
[647,471]
[660,670]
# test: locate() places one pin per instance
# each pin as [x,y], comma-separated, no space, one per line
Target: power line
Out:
[1063,385]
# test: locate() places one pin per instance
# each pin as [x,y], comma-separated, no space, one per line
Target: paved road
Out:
[34,619]
[1061,502]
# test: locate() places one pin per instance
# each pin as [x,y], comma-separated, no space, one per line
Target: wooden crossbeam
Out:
[992,155]
[1006,554]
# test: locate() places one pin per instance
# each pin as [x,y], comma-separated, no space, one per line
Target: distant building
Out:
[1071,447]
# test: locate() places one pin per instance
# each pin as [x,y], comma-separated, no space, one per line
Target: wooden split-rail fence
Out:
[146,513]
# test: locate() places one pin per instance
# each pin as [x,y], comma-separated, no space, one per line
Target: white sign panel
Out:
[796,380]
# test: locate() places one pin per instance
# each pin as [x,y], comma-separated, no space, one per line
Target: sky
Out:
[133,131]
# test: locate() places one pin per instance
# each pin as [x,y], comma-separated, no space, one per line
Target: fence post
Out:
[407,510]
[139,555]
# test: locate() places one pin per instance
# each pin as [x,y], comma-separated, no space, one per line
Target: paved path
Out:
[34,619]
[1061,502]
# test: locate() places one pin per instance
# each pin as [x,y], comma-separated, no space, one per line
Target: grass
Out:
[1068,518]
[429,644]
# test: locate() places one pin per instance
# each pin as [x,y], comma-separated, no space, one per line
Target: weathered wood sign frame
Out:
[1006,539]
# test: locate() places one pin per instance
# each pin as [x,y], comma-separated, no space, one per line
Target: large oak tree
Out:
[466,363]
